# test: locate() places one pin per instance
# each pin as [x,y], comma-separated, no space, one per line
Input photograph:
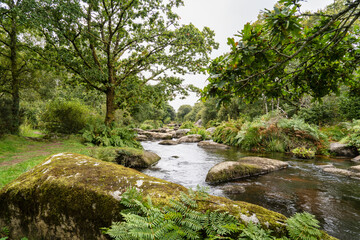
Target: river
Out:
[334,200]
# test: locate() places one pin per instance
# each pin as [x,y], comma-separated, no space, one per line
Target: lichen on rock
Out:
[244,167]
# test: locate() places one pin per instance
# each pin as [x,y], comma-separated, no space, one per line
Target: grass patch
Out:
[19,154]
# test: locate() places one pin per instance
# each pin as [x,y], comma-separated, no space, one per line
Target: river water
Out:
[334,200]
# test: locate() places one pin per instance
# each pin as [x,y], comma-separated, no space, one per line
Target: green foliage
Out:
[195,113]
[353,139]
[326,112]
[255,232]
[336,132]
[201,131]
[64,117]
[183,111]
[304,153]
[187,125]
[303,226]
[151,124]
[107,154]
[271,132]
[350,107]
[101,135]
[280,57]
[179,220]
[5,116]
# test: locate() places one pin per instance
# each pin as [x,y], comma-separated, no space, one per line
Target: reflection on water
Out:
[335,201]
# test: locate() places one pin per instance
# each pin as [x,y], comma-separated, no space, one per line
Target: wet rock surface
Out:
[212,145]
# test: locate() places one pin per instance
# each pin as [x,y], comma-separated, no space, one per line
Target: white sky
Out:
[226,18]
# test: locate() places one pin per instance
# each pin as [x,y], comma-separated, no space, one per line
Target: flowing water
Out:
[334,200]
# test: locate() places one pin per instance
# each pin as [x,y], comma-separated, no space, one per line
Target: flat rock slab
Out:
[343,150]
[356,159]
[158,135]
[342,172]
[212,145]
[169,142]
[243,168]
[191,138]
[72,196]
[355,169]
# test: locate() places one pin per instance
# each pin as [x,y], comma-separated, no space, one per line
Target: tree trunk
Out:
[15,82]
[110,106]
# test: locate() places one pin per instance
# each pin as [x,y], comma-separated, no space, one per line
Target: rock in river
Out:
[343,150]
[244,167]
[190,138]
[169,142]
[212,145]
[71,196]
[135,158]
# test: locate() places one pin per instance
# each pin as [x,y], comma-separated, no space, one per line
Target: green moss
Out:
[236,171]
[73,196]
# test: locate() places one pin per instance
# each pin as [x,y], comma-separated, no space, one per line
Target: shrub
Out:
[101,135]
[201,131]
[303,153]
[5,116]
[154,124]
[271,132]
[187,125]
[64,117]
[107,154]
[336,132]
[353,138]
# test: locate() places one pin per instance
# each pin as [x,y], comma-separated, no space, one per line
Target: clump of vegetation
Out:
[303,226]
[180,219]
[151,124]
[107,154]
[303,153]
[272,133]
[187,125]
[336,132]
[201,131]
[353,137]
[64,117]
[101,135]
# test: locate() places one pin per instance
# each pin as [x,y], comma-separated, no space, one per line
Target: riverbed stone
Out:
[342,172]
[355,169]
[158,135]
[343,150]
[181,132]
[135,158]
[243,168]
[356,159]
[193,138]
[71,196]
[211,130]
[141,138]
[169,142]
[212,145]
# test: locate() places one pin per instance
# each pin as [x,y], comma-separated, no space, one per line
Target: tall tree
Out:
[286,56]
[119,46]
[14,63]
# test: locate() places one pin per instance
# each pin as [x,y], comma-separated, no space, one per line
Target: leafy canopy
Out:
[282,56]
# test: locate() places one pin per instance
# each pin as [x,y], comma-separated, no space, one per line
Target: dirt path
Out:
[30,152]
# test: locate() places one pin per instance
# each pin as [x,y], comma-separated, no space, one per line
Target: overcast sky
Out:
[226,18]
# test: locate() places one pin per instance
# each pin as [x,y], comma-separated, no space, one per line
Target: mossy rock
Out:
[135,158]
[243,168]
[71,196]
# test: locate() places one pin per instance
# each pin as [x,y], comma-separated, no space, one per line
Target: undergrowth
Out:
[271,133]
[101,135]
[180,219]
